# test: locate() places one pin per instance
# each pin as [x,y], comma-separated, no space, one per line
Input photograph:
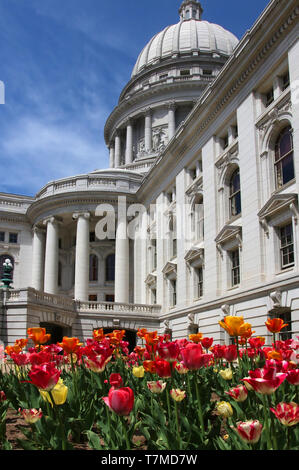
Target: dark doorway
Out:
[57,332]
[130,337]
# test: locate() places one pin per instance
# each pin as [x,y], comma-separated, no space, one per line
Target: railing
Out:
[31,295]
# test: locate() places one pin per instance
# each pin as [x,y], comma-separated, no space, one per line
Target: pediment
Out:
[170,267]
[227,233]
[193,254]
[151,279]
[276,203]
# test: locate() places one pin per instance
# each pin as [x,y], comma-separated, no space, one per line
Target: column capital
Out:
[171,105]
[36,229]
[147,111]
[53,220]
[84,214]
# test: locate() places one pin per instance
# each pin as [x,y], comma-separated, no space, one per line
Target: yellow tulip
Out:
[138,372]
[177,394]
[59,394]
[224,409]
[226,374]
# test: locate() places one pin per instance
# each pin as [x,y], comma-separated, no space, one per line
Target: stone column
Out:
[117,150]
[51,256]
[129,144]
[171,120]
[148,130]
[112,153]
[122,255]
[82,256]
[38,258]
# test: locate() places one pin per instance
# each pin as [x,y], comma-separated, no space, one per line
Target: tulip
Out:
[120,400]
[207,342]
[275,325]
[116,380]
[257,342]
[196,338]
[287,413]
[230,353]
[20,359]
[44,376]
[2,396]
[58,394]
[38,335]
[193,357]
[31,416]
[238,393]
[181,368]
[98,335]
[163,368]
[70,345]
[156,386]
[177,394]
[249,431]
[96,363]
[293,376]
[149,366]
[266,380]
[226,374]
[168,351]
[235,326]
[41,357]
[138,372]
[224,409]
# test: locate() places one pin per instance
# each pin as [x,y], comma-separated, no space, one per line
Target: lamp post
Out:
[7,274]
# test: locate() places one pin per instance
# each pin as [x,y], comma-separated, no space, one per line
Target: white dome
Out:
[186,37]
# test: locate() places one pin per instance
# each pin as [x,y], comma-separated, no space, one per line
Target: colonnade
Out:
[116,143]
[45,257]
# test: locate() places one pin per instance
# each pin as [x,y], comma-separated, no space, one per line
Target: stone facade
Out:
[200,201]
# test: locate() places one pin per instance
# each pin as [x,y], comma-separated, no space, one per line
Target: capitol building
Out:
[196,216]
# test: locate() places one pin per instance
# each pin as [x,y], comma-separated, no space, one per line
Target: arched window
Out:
[2,261]
[93,267]
[110,267]
[235,193]
[284,158]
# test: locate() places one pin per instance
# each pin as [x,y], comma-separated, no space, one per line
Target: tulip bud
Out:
[156,386]
[226,374]
[249,431]
[238,393]
[177,394]
[138,372]
[224,409]
[31,416]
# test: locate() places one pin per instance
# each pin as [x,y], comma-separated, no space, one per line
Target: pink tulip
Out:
[265,380]
[249,431]
[120,400]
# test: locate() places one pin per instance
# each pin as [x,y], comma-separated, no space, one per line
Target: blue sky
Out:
[64,64]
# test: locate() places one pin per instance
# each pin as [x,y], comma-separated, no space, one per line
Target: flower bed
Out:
[188,394]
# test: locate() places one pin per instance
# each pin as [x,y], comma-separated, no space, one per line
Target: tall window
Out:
[235,194]
[110,267]
[173,297]
[198,283]
[284,158]
[287,258]
[93,267]
[235,267]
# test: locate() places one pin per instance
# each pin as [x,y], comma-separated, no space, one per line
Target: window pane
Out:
[110,268]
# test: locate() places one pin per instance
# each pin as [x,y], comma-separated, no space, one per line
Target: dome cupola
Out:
[190,9]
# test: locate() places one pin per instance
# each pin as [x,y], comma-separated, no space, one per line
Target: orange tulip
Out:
[22,342]
[141,332]
[274,325]
[151,338]
[70,345]
[149,366]
[12,349]
[196,338]
[274,355]
[98,335]
[116,336]
[38,335]
[235,326]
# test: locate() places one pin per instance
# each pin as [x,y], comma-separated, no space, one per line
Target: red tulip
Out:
[265,380]
[193,357]
[168,351]
[238,393]
[293,376]
[44,376]
[20,359]
[249,431]
[275,325]
[41,357]
[230,353]
[116,380]
[163,368]
[120,400]
[287,413]
[207,342]
[2,396]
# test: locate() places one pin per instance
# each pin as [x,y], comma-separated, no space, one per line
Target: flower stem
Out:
[267,429]
[199,408]
[177,425]
[128,447]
